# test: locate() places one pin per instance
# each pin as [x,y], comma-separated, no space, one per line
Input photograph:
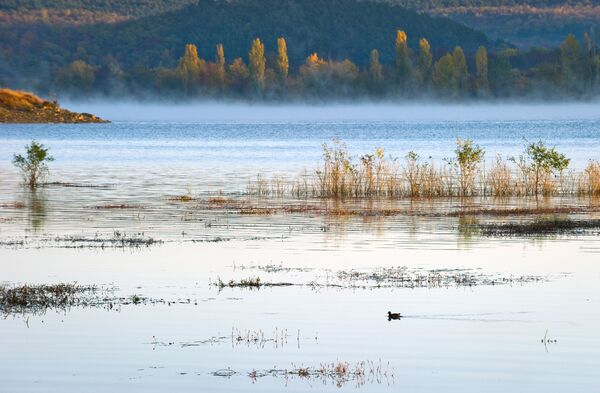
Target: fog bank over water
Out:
[241,112]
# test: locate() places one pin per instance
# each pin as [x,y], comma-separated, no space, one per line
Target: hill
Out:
[525,23]
[336,30]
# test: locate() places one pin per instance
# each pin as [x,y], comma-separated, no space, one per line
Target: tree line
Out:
[572,70]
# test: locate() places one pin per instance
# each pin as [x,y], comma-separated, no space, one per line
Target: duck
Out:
[394,315]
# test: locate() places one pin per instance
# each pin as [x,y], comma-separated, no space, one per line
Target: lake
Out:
[480,313]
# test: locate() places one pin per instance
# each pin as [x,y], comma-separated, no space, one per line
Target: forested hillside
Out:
[526,23]
[285,49]
[336,30]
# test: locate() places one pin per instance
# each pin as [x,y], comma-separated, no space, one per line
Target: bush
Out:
[34,165]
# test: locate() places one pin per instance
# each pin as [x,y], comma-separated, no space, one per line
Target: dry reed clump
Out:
[20,100]
[592,172]
[339,373]
[539,170]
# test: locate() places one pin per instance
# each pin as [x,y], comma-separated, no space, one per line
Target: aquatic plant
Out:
[34,165]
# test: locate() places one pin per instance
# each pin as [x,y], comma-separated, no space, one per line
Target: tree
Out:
[33,165]
[542,162]
[78,75]
[444,75]
[189,68]
[375,69]
[468,156]
[238,74]
[571,63]
[283,64]
[461,70]
[481,65]
[588,62]
[425,62]
[220,65]
[257,62]
[403,65]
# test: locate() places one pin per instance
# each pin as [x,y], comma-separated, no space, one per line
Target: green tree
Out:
[404,71]
[570,52]
[444,76]
[283,64]
[375,68]
[257,62]
[588,62]
[33,165]
[481,65]
[542,162]
[425,62]
[461,70]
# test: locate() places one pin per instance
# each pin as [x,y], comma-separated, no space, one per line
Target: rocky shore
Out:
[22,107]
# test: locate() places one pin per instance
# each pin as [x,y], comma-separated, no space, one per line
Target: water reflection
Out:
[36,208]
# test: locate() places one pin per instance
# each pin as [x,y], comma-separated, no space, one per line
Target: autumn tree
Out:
[404,71]
[189,68]
[283,64]
[481,65]
[424,62]
[78,75]
[257,64]
[220,66]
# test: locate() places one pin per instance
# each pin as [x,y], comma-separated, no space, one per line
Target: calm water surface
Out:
[467,339]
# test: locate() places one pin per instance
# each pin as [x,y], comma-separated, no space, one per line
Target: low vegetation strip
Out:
[393,277]
[545,227]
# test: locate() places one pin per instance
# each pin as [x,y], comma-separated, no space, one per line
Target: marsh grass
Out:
[539,171]
[20,299]
[390,277]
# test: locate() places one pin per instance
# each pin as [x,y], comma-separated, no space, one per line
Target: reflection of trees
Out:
[36,208]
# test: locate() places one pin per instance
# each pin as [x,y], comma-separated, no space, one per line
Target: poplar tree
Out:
[461,71]
[425,62]
[283,64]
[257,64]
[375,69]
[481,64]
[570,53]
[189,67]
[403,64]
[220,65]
